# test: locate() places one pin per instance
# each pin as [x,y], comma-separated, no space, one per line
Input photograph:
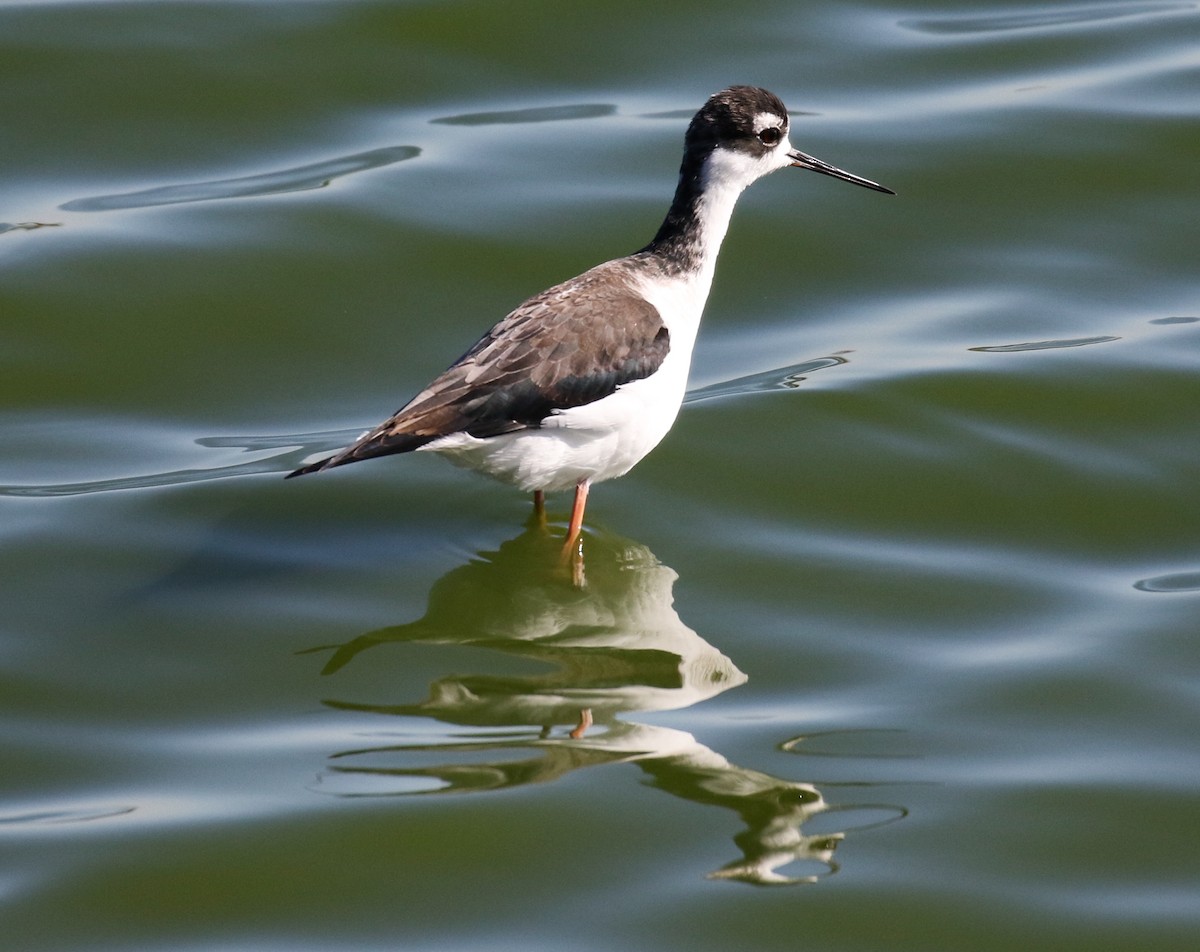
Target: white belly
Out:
[599,441]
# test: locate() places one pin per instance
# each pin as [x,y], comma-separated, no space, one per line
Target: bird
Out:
[580,382]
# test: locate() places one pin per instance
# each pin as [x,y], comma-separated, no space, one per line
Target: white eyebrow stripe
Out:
[767,120]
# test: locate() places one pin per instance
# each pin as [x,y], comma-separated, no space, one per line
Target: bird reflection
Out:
[611,648]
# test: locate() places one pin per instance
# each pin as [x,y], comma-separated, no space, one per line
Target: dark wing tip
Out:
[374,444]
[310,468]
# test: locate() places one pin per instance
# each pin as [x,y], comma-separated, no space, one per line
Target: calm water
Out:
[892,644]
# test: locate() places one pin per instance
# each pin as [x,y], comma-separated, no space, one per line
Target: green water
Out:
[892,643]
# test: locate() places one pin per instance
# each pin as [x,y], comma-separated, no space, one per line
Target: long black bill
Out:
[802,161]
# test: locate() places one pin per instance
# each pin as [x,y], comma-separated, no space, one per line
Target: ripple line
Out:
[1040,19]
[784,378]
[520,116]
[26,225]
[297,446]
[1043,345]
[44,817]
[1175,582]
[300,178]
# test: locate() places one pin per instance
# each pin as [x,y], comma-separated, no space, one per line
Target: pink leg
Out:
[585,721]
[576,524]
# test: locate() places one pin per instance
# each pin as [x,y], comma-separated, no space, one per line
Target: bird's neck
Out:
[690,236]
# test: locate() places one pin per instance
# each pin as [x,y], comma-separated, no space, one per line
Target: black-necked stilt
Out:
[583,380]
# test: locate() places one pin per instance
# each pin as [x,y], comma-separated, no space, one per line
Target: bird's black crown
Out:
[728,120]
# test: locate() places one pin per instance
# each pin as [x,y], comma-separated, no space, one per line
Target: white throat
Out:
[726,175]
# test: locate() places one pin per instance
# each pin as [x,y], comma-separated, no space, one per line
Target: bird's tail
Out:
[376,443]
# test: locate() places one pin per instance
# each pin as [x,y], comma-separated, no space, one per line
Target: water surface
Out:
[890,645]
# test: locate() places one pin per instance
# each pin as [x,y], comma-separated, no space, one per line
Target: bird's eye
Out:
[770,136]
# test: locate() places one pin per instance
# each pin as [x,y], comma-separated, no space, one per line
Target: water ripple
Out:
[300,178]
[1041,19]
[536,114]
[1175,582]
[26,225]
[783,378]
[44,817]
[300,444]
[1044,344]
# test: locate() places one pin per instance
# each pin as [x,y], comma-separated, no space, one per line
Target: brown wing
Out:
[566,347]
